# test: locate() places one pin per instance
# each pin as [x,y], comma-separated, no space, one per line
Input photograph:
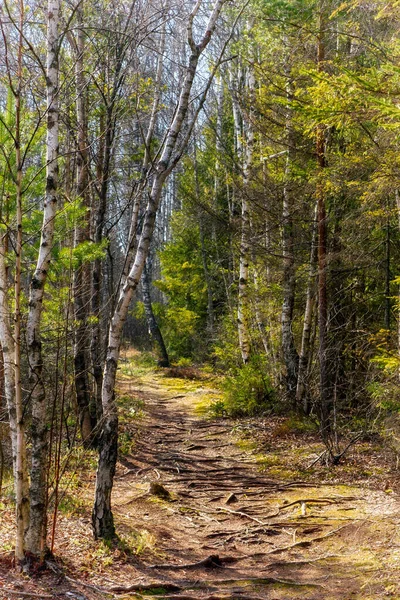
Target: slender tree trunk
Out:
[219,147]
[208,280]
[397,198]
[81,284]
[96,291]
[200,217]
[21,471]
[325,387]
[107,124]
[302,396]
[290,355]
[11,345]
[154,330]
[244,251]
[12,379]
[106,143]
[36,536]
[102,517]
[388,278]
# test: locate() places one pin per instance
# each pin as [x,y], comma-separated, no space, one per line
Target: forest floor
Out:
[210,508]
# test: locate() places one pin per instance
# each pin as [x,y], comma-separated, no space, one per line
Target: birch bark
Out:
[36,535]
[102,517]
[11,339]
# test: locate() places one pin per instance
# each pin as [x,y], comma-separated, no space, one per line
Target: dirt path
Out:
[258,538]
[224,528]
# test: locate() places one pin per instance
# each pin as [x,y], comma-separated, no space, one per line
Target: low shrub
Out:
[248,390]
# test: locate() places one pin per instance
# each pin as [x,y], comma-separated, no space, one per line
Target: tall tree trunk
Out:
[200,219]
[11,362]
[207,278]
[219,147]
[21,470]
[36,536]
[97,235]
[154,330]
[290,355]
[11,344]
[81,283]
[107,125]
[244,250]
[397,198]
[388,277]
[302,396]
[102,517]
[325,387]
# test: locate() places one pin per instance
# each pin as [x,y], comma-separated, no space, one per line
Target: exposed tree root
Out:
[208,585]
[245,515]
[24,594]
[211,562]
[306,561]
[143,587]
[306,543]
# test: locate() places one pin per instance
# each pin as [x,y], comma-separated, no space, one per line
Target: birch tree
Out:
[175,141]
[36,535]
[10,337]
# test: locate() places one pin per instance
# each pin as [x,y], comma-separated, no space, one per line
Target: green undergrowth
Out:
[284,446]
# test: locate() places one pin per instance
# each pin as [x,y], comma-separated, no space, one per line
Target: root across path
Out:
[210,524]
[224,529]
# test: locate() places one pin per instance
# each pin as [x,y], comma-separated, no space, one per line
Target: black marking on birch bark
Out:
[51,184]
[36,284]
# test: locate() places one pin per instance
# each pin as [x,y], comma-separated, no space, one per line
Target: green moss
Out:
[268,460]
[247,445]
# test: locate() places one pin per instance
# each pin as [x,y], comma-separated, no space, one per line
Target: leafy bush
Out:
[248,391]
[226,351]
[180,332]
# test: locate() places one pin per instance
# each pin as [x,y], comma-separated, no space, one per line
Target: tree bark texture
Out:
[244,250]
[302,396]
[153,327]
[290,355]
[325,387]
[397,198]
[36,536]
[102,518]
[81,284]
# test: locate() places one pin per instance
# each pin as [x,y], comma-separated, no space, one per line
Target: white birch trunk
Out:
[102,518]
[36,536]
[12,380]
[11,346]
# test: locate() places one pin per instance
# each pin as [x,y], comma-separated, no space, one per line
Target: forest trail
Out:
[230,531]
[221,527]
